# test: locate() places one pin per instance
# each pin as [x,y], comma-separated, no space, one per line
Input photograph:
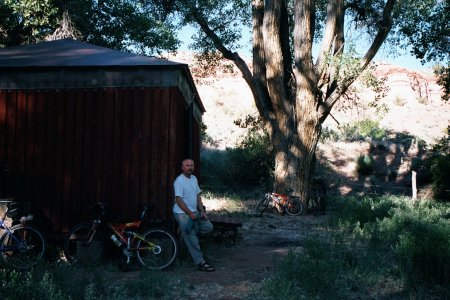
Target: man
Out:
[190,214]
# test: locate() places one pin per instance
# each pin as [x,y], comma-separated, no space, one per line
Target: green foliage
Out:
[364,165]
[248,164]
[416,234]
[16,285]
[362,130]
[205,137]
[440,170]
[25,21]
[364,210]
[135,26]
[66,282]
[443,74]
[314,272]
[435,167]
[424,24]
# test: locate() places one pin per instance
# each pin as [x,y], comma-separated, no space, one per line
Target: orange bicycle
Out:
[154,248]
[281,204]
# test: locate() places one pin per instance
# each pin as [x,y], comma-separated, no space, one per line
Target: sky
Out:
[403,59]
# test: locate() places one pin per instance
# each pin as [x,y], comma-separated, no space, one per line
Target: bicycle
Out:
[22,246]
[154,248]
[281,203]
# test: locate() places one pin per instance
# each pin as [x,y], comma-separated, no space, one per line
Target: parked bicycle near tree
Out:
[22,246]
[154,248]
[281,203]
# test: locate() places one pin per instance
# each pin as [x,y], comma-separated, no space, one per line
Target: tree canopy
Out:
[143,28]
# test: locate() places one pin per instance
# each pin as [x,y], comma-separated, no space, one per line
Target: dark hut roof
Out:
[73,64]
[72,53]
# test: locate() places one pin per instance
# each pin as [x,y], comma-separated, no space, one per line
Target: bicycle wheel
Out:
[23,248]
[294,207]
[83,245]
[262,205]
[157,250]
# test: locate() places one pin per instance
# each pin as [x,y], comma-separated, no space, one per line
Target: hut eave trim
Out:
[48,79]
[25,79]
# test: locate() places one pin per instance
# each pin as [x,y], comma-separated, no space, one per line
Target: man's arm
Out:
[184,208]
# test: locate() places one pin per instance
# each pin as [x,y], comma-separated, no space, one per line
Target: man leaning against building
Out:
[190,214]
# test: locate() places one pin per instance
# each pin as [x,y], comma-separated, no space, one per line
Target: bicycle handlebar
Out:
[104,206]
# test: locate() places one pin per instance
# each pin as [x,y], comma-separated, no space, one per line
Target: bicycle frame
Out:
[280,200]
[129,237]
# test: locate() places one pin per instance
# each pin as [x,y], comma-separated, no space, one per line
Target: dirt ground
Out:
[241,268]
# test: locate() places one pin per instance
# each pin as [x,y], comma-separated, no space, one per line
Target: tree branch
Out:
[328,37]
[259,67]
[385,27]
[233,56]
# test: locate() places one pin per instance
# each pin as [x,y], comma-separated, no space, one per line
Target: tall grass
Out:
[62,281]
[373,241]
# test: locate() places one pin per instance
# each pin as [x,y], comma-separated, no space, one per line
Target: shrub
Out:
[363,130]
[422,100]
[328,134]
[440,170]
[418,233]
[250,163]
[436,167]
[371,129]
[315,272]
[16,285]
[365,165]
[399,101]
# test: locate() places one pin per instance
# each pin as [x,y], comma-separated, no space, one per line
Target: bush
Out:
[418,233]
[363,130]
[250,163]
[315,272]
[420,236]
[436,167]
[16,285]
[440,170]
[365,165]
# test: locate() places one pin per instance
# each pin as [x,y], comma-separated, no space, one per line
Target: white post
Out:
[414,185]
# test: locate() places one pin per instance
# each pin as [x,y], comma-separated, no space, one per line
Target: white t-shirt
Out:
[187,189]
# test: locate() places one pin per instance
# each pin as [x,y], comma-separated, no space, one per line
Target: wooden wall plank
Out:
[3,144]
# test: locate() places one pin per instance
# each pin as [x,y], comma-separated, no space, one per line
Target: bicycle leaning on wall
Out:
[153,248]
[22,246]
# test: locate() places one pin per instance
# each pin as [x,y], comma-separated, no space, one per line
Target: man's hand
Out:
[203,215]
[193,216]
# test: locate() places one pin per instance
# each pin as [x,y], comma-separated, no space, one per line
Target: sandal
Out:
[205,267]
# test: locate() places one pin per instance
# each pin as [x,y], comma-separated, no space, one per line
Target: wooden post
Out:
[414,185]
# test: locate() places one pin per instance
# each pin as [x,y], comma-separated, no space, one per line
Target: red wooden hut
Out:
[81,123]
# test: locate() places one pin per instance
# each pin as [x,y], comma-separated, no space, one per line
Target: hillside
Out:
[413,100]
[413,108]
